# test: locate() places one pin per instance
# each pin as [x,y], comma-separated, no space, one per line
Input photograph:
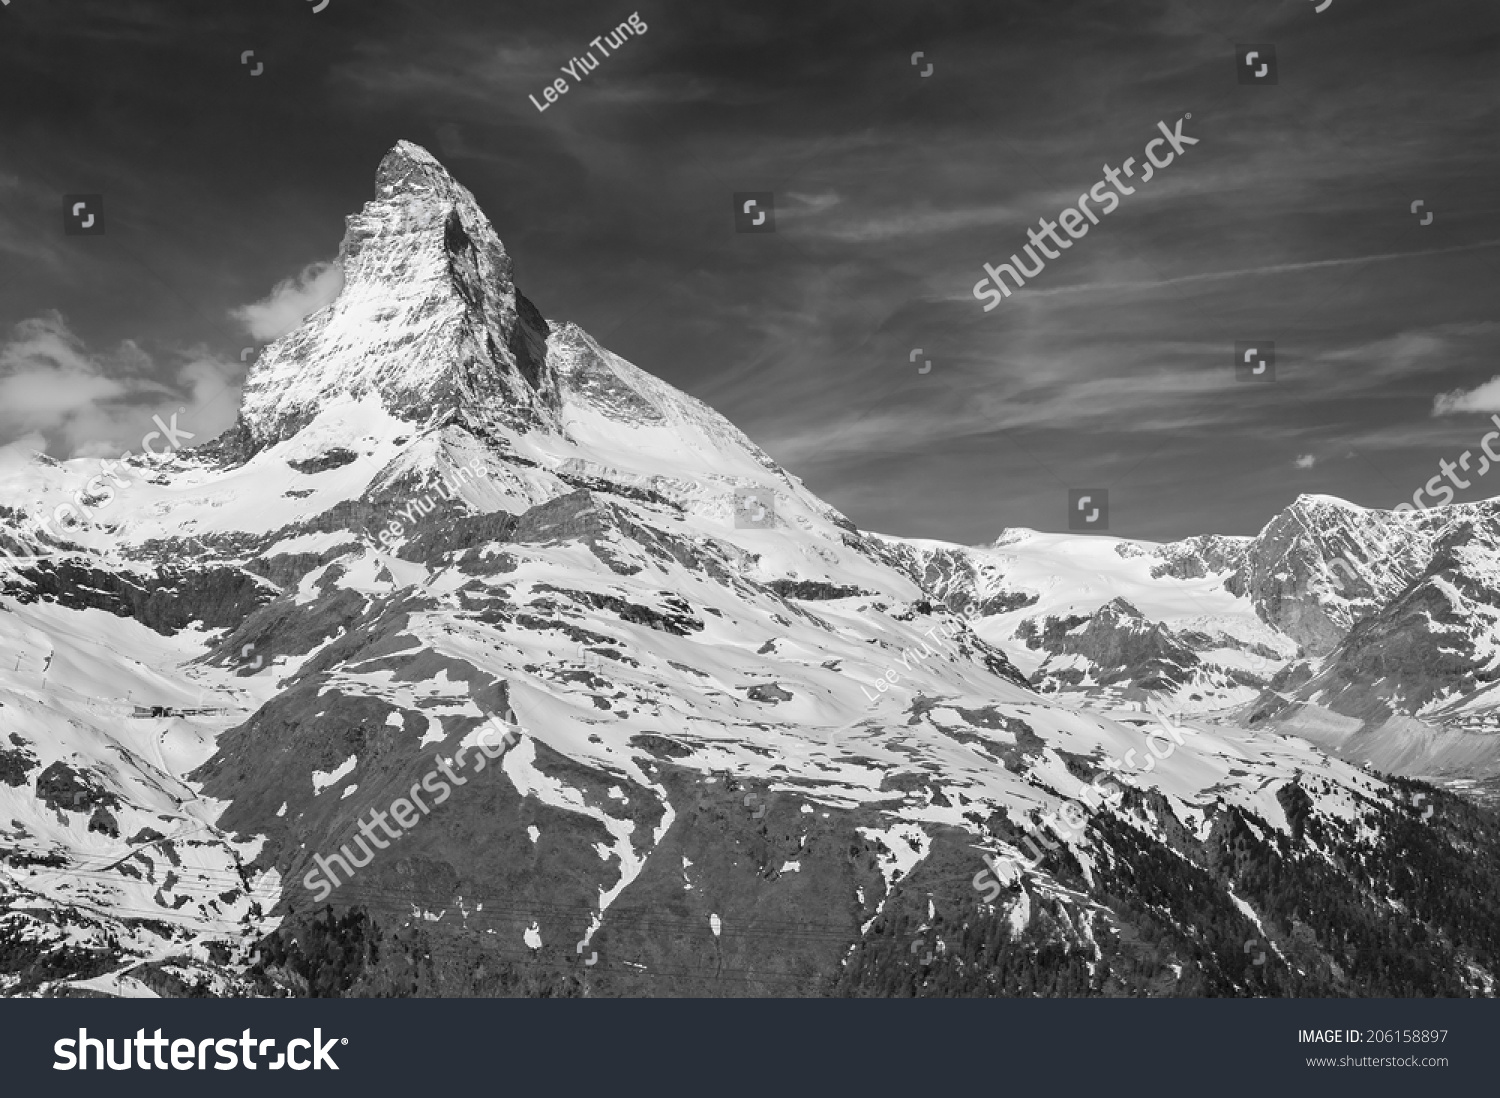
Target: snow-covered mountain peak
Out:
[1315,502]
[1012,535]
[429,318]
[414,194]
[410,169]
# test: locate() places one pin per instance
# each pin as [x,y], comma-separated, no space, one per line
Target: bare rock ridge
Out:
[1323,564]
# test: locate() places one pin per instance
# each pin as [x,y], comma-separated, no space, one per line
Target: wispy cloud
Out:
[1249,272]
[56,392]
[896,224]
[292,301]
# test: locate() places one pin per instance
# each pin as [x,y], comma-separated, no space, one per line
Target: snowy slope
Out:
[1109,618]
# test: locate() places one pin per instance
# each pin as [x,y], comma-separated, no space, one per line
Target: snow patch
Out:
[322,779]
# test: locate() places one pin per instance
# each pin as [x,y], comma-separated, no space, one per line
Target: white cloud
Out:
[1306,461]
[1482,398]
[291,301]
[49,376]
[57,395]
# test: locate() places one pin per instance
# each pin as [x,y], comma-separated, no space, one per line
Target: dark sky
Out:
[1290,221]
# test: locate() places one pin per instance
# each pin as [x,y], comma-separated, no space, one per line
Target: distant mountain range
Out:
[251,723]
[1371,633]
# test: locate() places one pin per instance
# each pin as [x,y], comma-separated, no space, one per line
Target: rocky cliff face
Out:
[1113,646]
[1412,683]
[1323,564]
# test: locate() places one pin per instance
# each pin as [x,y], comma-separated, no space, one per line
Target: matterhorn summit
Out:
[429,319]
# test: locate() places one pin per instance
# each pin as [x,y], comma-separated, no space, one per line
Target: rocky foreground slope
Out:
[477,661]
